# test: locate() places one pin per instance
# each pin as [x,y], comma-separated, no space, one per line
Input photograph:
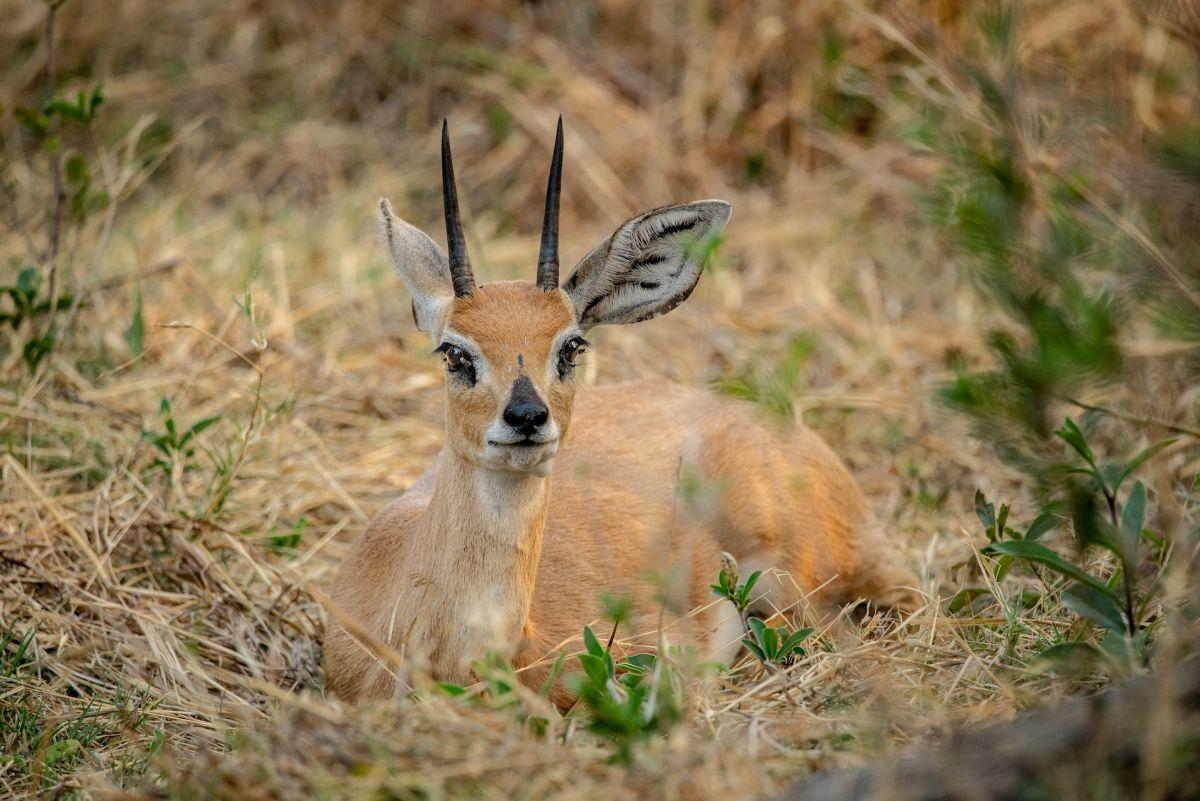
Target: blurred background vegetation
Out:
[965,247]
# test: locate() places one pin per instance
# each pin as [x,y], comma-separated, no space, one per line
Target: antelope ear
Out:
[648,266]
[421,264]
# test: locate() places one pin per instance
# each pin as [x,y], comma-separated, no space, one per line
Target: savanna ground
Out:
[220,384]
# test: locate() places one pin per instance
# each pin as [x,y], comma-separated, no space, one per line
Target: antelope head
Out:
[510,347]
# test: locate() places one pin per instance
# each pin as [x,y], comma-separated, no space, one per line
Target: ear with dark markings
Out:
[647,267]
[421,264]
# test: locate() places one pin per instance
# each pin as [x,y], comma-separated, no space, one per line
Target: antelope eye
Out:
[570,350]
[457,360]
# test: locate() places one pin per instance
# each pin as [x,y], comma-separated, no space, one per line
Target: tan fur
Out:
[472,560]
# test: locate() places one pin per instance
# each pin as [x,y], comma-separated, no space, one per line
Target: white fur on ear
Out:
[648,266]
[421,264]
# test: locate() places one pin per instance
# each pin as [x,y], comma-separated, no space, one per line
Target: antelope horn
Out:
[456,243]
[547,269]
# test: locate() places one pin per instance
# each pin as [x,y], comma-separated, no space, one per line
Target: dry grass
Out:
[176,631]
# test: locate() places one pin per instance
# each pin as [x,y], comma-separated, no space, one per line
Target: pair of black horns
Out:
[460,262]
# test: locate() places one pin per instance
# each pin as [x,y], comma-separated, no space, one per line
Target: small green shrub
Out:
[775,645]
[627,700]
[1118,604]
[174,443]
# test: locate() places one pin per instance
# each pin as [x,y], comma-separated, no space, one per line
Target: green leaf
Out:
[964,598]
[33,121]
[1028,599]
[757,627]
[639,662]
[792,643]
[744,592]
[770,641]
[1069,657]
[37,349]
[95,100]
[1106,535]
[452,690]
[1070,434]
[158,440]
[1135,510]
[1022,549]
[60,750]
[1041,524]
[28,283]
[986,513]
[591,643]
[1119,648]
[555,670]
[198,427]
[753,648]
[135,334]
[1132,517]
[1110,473]
[1003,565]
[43,306]
[65,109]
[595,668]
[1095,606]
[77,170]
[1144,456]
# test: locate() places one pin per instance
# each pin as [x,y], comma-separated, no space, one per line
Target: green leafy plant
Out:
[72,199]
[775,645]
[1033,217]
[499,688]
[1117,604]
[27,305]
[727,586]
[173,442]
[287,544]
[27,302]
[627,700]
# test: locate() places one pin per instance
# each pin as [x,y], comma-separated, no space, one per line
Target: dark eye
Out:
[457,361]
[570,350]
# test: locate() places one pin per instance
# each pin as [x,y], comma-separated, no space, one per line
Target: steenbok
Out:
[541,503]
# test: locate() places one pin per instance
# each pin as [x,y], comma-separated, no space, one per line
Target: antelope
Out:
[545,497]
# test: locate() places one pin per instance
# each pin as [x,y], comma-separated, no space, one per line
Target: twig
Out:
[259,346]
[1139,237]
[60,195]
[1178,428]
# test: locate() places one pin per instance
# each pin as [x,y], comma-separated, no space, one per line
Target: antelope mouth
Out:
[527,442]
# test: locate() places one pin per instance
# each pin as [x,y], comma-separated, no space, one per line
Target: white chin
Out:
[535,459]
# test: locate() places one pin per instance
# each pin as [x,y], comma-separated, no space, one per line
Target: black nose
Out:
[526,410]
[526,415]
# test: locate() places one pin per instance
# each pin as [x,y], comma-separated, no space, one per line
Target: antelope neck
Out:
[489,524]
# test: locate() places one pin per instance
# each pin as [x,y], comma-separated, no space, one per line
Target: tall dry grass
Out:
[173,614]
